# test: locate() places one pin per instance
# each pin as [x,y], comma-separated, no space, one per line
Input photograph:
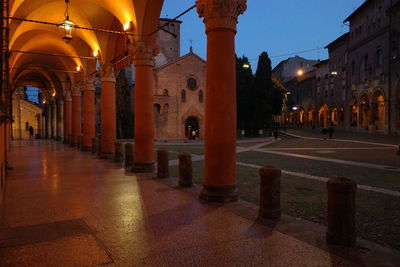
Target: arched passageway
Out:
[324,117]
[192,128]
[378,110]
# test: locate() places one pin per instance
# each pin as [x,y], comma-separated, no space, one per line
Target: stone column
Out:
[53,119]
[143,59]
[108,111]
[220,19]
[60,119]
[67,116]
[76,114]
[89,120]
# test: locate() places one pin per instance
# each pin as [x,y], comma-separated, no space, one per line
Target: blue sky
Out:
[279,27]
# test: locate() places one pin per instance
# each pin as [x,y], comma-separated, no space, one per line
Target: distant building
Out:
[358,87]
[26,114]
[289,68]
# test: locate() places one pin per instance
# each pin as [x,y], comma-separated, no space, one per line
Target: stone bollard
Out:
[270,192]
[341,212]
[185,170]
[119,152]
[162,164]
[129,154]
[95,145]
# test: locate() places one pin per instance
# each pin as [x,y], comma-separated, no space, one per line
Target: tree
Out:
[124,107]
[262,95]
[244,84]
[278,96]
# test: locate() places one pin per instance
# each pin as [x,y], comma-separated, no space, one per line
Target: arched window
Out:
[165,93]
[201,96]
[192,84]
[157,109]
[183,96]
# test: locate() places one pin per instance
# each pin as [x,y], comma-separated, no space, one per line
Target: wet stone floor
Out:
[63,207]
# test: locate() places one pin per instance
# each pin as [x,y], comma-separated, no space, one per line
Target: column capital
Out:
[107,73]
[67,96]
[90,83]
[76,89]
[221,14]
[143,53]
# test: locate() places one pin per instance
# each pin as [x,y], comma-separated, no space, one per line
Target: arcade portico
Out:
[97,39]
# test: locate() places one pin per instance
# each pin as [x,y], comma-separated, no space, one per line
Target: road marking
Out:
[327,148]
[345,140]
[325,179]
[340,161]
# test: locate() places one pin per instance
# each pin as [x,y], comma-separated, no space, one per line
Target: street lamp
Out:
[246,66]
[67,27]
[300,72]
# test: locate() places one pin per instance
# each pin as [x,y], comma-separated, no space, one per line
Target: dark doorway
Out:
[192,128]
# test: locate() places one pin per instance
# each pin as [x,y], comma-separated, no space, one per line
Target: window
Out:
[157,109]
[201,96]
[192,84]
[172,28]
[165,93]
[379,57]
[353,68]
[183,96]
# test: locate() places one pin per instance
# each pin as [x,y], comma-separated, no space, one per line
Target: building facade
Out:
[357,88]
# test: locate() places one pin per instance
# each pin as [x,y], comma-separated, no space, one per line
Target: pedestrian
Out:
[330,132]
[31,131]
[324,132]
[276,134]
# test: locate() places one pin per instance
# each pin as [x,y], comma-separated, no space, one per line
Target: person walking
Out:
[31,132]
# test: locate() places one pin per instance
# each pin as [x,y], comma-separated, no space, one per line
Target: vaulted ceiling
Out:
[51,72]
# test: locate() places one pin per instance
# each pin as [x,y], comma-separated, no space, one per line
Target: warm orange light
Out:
[128,26]
[54,94]
[78,68]
[96,53]
[300,73]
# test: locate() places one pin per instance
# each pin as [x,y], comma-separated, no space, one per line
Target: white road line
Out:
[324,179]
[327,148]
[344,140]
[347,162]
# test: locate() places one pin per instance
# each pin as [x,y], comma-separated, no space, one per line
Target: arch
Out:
[192,127]
[201,96]
[378,110]
[323,115]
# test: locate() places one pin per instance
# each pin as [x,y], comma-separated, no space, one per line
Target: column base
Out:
[66,142]
[106,155]
[86,148]
[141,167]
[219,194]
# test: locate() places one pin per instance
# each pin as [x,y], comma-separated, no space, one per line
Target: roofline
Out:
[356,11]
[322,62]
[171,20]
[181,58]
[337,40]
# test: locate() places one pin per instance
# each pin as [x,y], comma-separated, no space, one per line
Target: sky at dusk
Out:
[280,27]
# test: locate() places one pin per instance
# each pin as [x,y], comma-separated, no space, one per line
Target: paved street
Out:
[308,161]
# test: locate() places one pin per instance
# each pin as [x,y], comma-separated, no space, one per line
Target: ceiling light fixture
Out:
[67,27]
